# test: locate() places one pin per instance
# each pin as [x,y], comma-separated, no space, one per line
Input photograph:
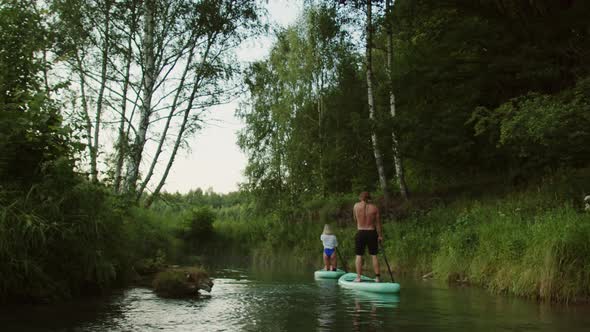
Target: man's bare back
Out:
[365,215]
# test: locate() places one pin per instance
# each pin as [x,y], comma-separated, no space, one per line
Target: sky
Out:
[214,159]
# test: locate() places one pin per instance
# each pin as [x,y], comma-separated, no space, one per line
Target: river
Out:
[283,300]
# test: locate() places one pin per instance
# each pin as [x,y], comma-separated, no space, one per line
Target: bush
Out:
[151,235]
[198,225]
[180,282]
[542,130]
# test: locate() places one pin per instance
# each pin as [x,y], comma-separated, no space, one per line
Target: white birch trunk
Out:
[397,160]
[85,110]
[196,86]
[123,135]
[147,94]
[100,98]
[121,147]
[173,110]
[371,102]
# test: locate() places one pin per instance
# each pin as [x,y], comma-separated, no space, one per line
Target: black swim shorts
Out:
[366,238]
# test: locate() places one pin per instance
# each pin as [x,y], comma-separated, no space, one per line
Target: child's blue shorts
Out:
[329,251]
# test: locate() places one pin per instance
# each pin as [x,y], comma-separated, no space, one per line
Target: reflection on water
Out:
[374,299]
[327,304]
[251,300]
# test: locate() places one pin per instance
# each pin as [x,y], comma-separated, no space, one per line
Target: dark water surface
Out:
[246,300]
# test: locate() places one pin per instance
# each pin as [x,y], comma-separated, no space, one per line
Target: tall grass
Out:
[532,244]
[543,256]
[55,247]
[58,244]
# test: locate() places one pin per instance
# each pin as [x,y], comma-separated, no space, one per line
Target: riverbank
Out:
[531,243]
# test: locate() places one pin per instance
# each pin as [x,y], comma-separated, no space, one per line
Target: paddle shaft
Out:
[342,260]
[387,263]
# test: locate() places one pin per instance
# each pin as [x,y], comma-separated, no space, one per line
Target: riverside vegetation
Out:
[480,111]
[531,242]
[72,211]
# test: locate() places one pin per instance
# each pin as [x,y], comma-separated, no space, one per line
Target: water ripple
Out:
[241,301]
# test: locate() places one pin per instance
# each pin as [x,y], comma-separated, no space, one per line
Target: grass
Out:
[525,244]
[57,248]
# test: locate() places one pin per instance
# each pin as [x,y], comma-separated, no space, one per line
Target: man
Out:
[369,233]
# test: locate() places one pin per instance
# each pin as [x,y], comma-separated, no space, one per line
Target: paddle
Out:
[342,260]
[386,262]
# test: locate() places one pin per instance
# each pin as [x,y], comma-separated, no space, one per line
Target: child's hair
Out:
[327,230]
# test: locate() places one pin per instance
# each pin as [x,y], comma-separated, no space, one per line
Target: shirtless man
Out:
[369,234]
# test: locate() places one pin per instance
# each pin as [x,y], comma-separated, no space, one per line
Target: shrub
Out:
[198,224]
[180,282]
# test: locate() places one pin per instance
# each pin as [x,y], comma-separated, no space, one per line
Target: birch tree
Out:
[147,71]
[86,42]
[397,160]
[130,11]
[186,66]
[371,102]
[148,67]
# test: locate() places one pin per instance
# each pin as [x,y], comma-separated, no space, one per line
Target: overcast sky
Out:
[215,161]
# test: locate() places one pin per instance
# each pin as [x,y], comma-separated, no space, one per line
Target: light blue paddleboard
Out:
[323,274]
[367,284]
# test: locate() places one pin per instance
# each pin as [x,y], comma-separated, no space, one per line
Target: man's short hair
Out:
[365,196]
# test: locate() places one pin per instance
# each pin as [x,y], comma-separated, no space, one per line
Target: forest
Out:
[468,120]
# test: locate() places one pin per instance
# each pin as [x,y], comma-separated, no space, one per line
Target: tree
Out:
[160,65]
[306,120]
[397,160]
[32,138]
[217,27]
[371,101]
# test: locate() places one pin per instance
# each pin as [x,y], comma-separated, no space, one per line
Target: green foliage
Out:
[60,235]
[21,35]
[153,236]
[542,130]
[33,141]
[449,70]
[481,89]
[198,225]
[62,245]
[147,266]
[306,122]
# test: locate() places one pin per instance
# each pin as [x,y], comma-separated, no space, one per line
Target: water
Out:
[248,300]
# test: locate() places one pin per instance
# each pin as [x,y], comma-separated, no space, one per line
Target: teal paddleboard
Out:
[323,274]
[367,284]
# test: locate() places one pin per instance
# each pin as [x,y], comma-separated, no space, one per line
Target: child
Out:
[330,243]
